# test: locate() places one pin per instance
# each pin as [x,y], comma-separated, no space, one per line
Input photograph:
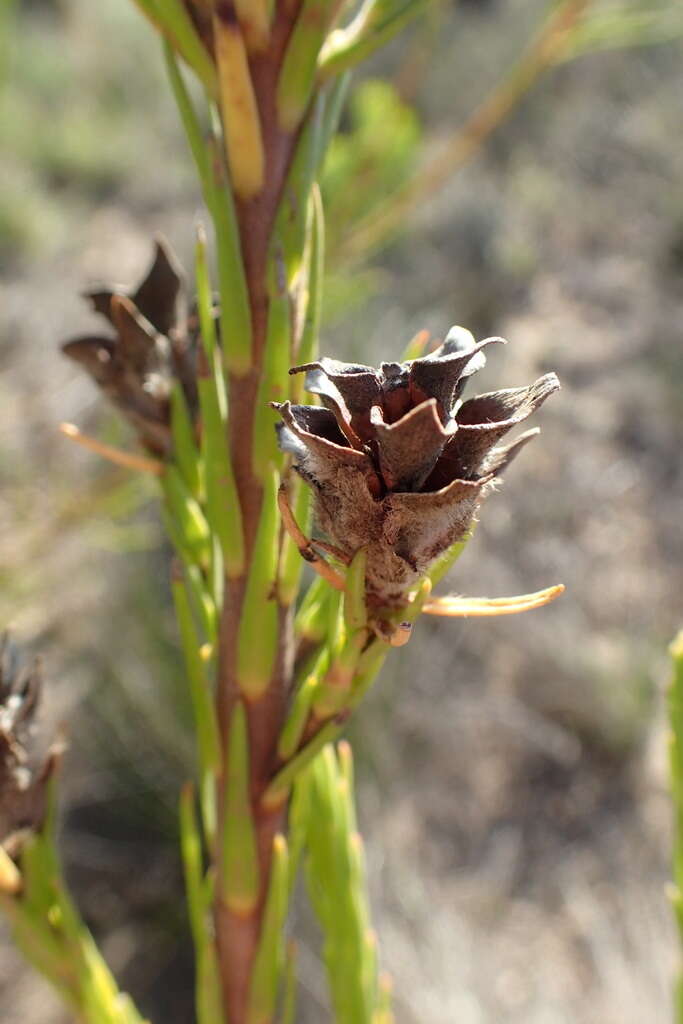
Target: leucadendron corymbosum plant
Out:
[396,461]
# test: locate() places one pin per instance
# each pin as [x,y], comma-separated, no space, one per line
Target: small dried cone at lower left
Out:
[24,771]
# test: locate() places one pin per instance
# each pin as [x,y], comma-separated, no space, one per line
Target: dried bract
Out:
[23,776]
[154,344]
[397,461]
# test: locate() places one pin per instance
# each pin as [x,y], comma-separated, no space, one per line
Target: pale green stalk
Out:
[675,705]
[269,962]
[199,897]
[335,873]
[173,21]
[52,936]
[239,865]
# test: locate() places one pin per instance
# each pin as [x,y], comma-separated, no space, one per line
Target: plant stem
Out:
[263,697]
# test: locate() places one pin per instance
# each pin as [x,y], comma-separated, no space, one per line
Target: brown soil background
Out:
[512,777]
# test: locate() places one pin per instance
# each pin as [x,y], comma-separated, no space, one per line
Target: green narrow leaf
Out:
[297,76]
[335,95]
[191,850]
[188,116]
[334,691]
[257,638]
[278,790]
[336,880]
[38,874]
[376,23]
[217,578]
[206,725]
[369,664]
[40,942]
[313,616]
[187,517]
[176,537]
[235,315]
[360,938]
[325,806]
[369,967]
[184,445]
[299,711]
[207,987]
[299,819]
[292,218]
[355,611]
[204,296]
[675,709]
[48,929]
[622,27]
[291,562]
[308,346]
[235,312]
[345,759]
[239,858]
[345,812]
[202,602]
[176,20]
[268,964]
[445,562]
[274,379]
[222,503]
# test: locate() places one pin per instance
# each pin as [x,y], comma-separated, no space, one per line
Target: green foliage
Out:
[199,891]
[615,25]
[374,155]
[676,771]
[376,22]
[257,639]
[335,876]
[201,691]
[369,160]
[221,505]
[297,78]
[239,868]
[269,963]
[49,931]
[184,443]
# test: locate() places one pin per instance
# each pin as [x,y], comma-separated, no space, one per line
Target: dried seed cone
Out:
[23,773]
[397,461]
[154,344]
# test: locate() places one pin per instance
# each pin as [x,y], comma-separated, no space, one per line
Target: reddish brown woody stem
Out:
[238,934]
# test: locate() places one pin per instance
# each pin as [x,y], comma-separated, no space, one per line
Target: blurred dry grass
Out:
[512,772]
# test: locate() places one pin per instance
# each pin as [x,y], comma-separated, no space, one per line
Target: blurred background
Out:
[512,772]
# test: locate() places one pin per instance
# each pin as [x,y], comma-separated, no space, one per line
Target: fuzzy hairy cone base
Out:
[155,343]
[397,462]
